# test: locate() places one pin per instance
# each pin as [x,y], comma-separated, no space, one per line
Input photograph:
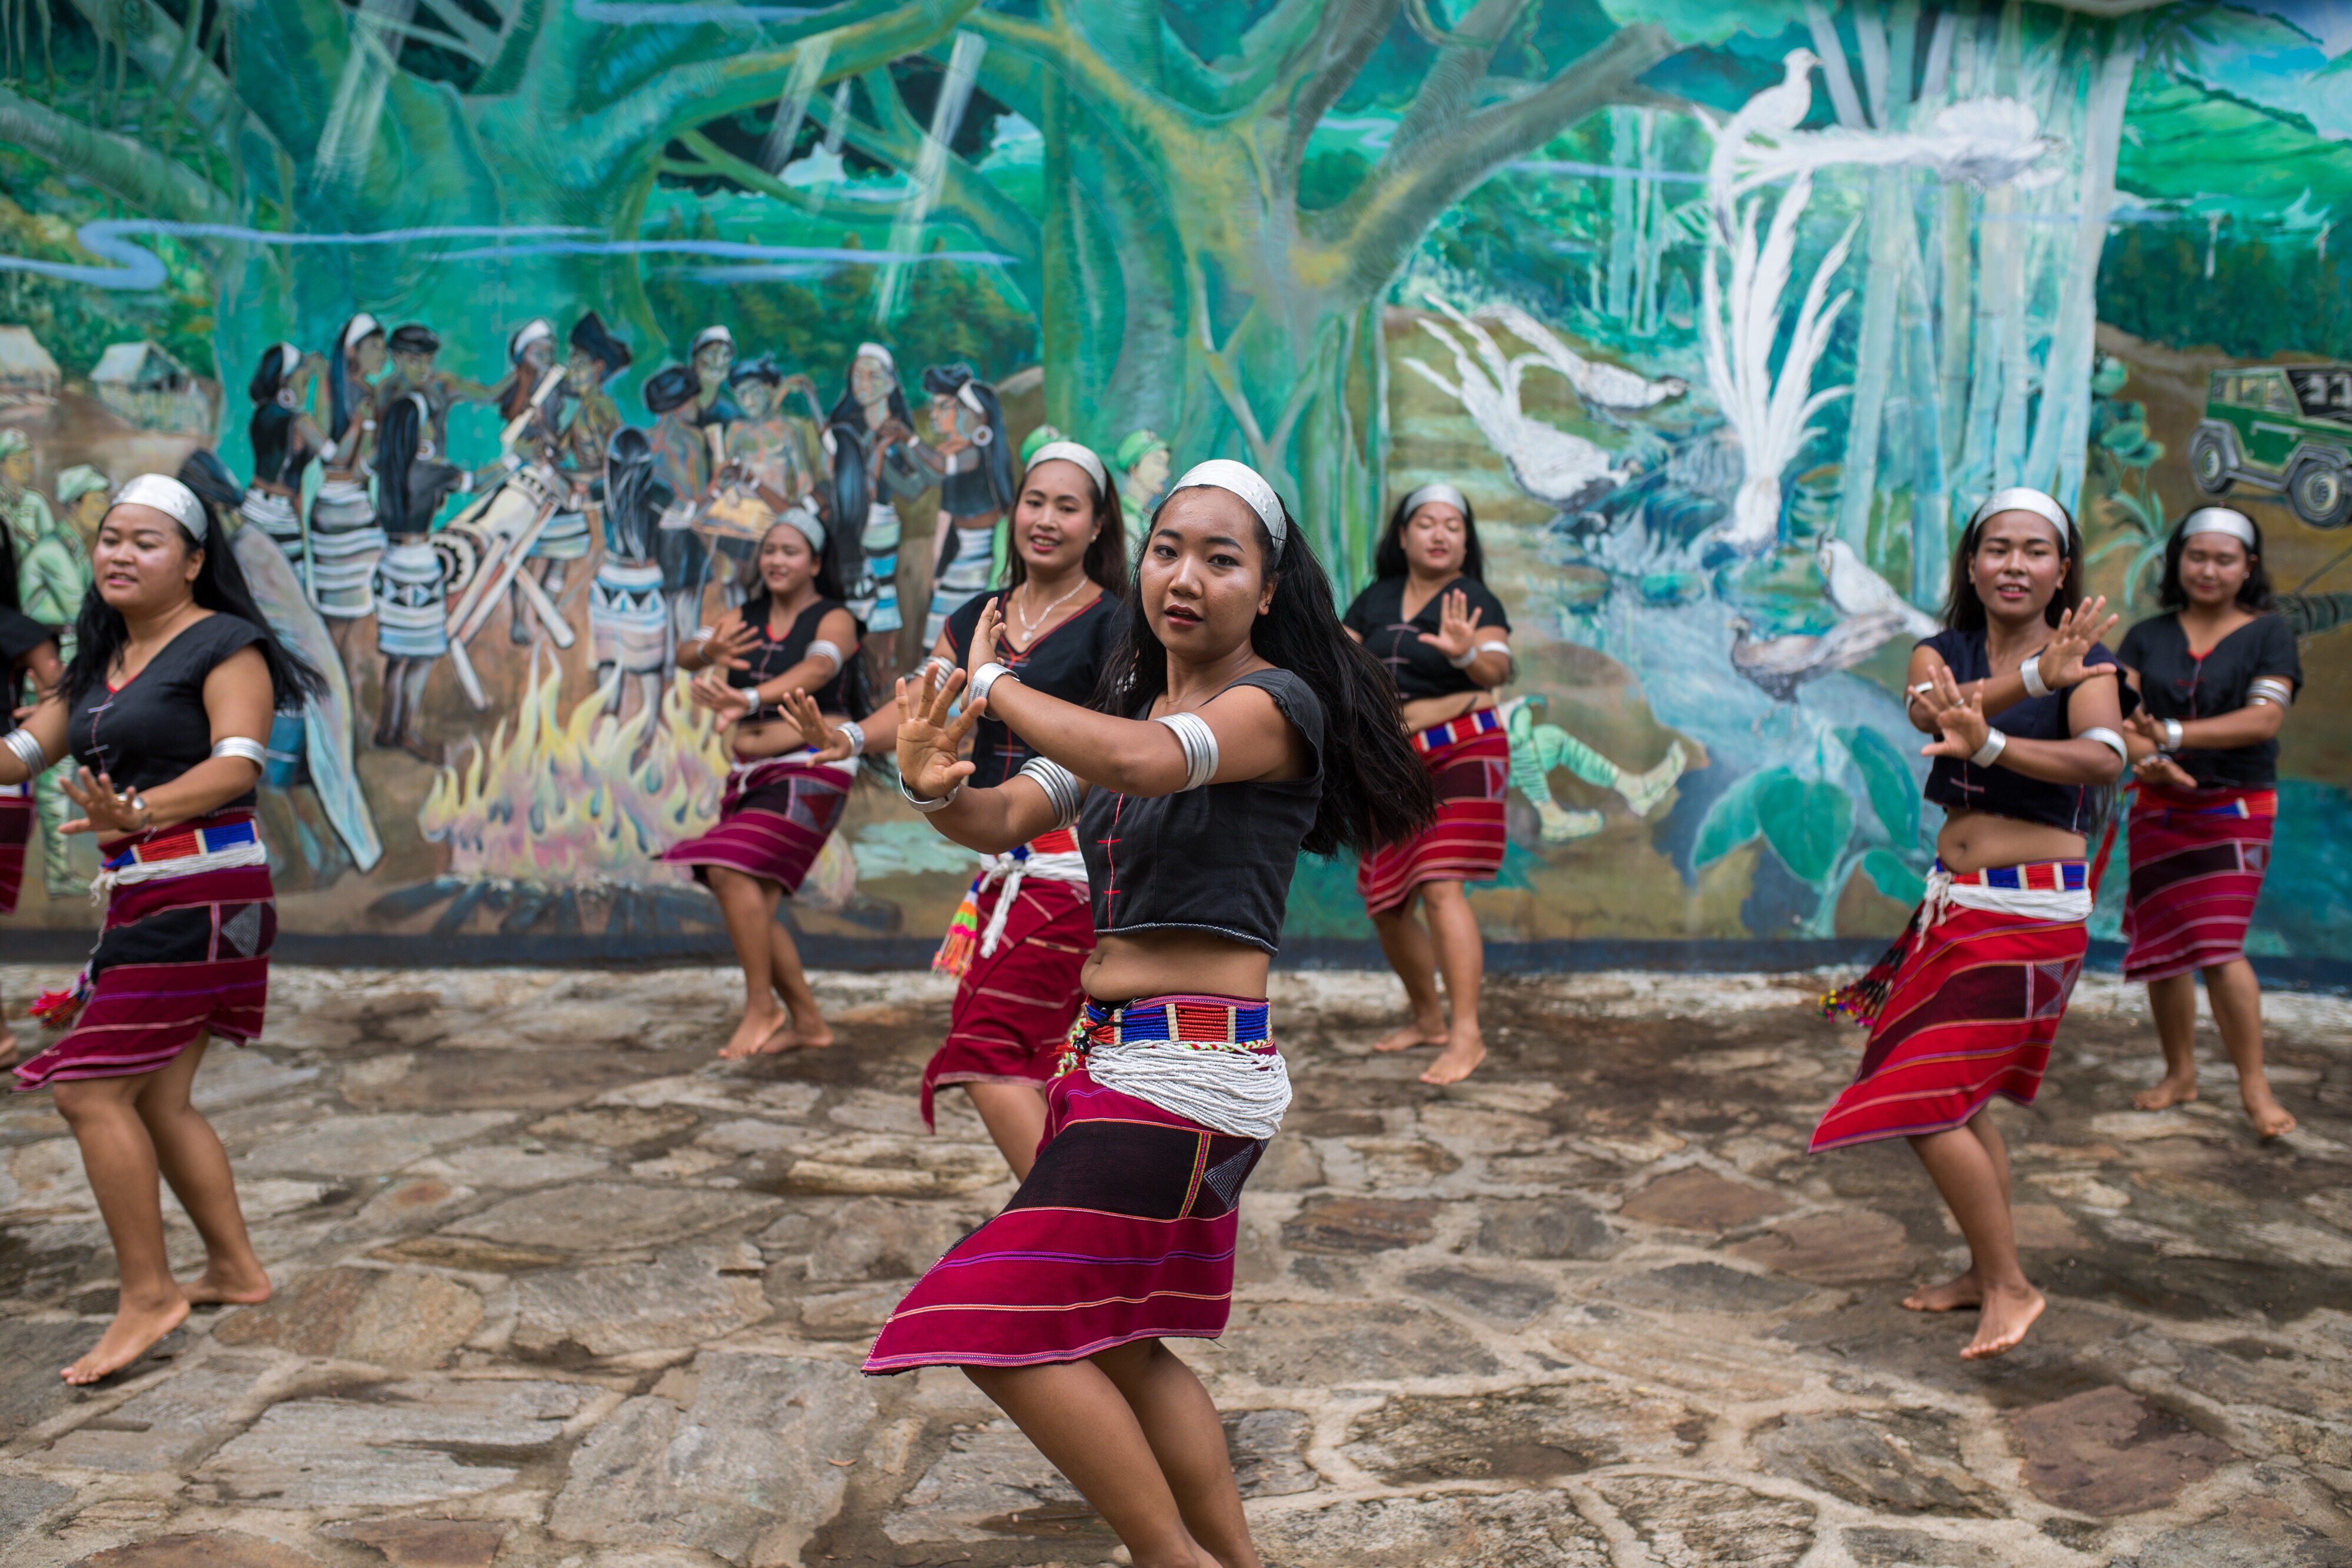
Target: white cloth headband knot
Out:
[2023,499]
[288,356]
[806,521]
[535,331]
[710,335]
[169,496]
[1438,492]
[359,327]
[877,352]
[1240,479]
[2220,520]
[1071,452]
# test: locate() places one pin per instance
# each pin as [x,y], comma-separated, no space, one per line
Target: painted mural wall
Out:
[1724,315]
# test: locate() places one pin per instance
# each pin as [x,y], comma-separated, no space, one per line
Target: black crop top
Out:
[2177,684]
[1418,669]
[773,655]
[1065,662]
[1960,785]
[1216,859]
[152,728]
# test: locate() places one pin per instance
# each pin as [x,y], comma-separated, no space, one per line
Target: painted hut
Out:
[151,390]
[28,375]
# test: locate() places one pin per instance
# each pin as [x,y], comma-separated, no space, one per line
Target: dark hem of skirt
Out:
[1881,1135]
[1055,1358]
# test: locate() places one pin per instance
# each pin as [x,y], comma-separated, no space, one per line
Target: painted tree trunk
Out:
[1874,356]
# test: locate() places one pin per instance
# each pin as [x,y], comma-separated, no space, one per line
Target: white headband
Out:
[1240,479]
[876,351]
[288,356]
[710,335]
[1071,452]
[1440,492]
[169,496]
[357,328]
[2220,520]
[810,528]
[532,331]
[2023,499]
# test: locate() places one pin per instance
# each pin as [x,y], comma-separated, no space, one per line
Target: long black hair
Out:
[847,493]
[1964,610]
[273,420]
[630,494]
[1388,559]
[399,436]
[950,382]
[345,394]
[2253,594]
[847,410]
[220,587]
[1375,789]
[1105,562]
[757,606]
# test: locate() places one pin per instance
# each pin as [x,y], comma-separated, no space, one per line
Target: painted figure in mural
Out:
[1142,463]
[765,466]
[1444,639]
[284,441]
[596,358]
[872,455]
[712,355]
[52,578]
[168,764]
[2215,677]
[415,348]
[1237,673]
[628,626]
[782,803]
[531,407]
[2023,708]
[28,657]
[1537,748]
[412,594]
[1042,435]
[682,462]
[974,460]
[1023,929]
[344,542]
[83,495]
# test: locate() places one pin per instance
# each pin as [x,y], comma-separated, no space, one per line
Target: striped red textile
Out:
[177,959]
[1974,1004]
[2197,858]
[16,832]
[1124,1230]
[772,822]
[1465,843]
[1013,1007]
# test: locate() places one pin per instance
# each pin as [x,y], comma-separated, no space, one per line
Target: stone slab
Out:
[1268,1448]
[1294,1344]
[426,1542]
[154,1428]
[1697,1199]
[988,1484]
[1509,1530]
[1907,1461]
[1522,1434]
[24,1501]
[686,1296]
[617,1127]
[1542,1228]
[1511,1300]
[2106,1451]
[879,1238]
[603,1217]
[211,1549]
[1841,1249]
[1875,1546]
[1361,1224]
[1710,1524]
[513,1165]
[389,1317]
[1706,1287]
[367,1145]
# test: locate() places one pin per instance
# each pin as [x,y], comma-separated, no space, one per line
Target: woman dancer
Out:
[870,449]
[284,441]
[1445,640]
[2216,676]
[344,540]
[792,635]
[1023,929]
[2024,705]
[1240,725]
[976,488]
[27,649]
[412,592]
[165,706]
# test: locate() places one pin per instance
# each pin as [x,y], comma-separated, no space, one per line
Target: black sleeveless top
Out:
[965,493]
[1065,662]
[1960,785]
[276,427]
[775,655]
[20,635]
[1418,668]
[1217,859]
[154,727]
[2176,684]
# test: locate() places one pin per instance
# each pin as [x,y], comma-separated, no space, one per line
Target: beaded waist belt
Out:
[1454,731]
[16,792]
[1199,1024]
[2253,803]
[2040,876]
[182,852]
[1049,857]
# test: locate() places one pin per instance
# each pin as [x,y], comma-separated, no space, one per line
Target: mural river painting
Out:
[1725,316]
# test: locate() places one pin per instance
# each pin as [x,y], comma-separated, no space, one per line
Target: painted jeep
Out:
[2283,427]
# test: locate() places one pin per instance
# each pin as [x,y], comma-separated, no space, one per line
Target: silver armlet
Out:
[253,751]
[1986,755]
[1063,790]
[2275,689]
[857,733]
[986,677]
[1466,660]
[2173,734]
[28,751]
[2030,673]
[829,648]
[928,807]
[2108,738]
[1200,744]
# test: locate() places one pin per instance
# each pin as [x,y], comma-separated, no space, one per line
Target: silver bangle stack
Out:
[2275,689]
[1989,752]
[857,733]
[1200,744]
[28,751]
[1063,790]
[237,746]
[984,679]
[2030,673]
[2173,736]
[928,807]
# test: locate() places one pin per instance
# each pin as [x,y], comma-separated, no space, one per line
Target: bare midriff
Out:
[773,737]
[1172,963]
[1974,841]
[1419,713]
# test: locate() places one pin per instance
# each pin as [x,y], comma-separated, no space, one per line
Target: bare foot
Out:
[1457,1061]
[798,1037]
[2007,1313]
[7,1046]
[1418,1032]
[131,1335]
[1951,1296]
[754,1034]
[2169,1091]
[2271,1119]
[223,1286]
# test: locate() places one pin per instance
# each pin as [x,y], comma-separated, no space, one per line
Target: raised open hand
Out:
[2162,771]
[1959,715]
[728,648]
[105,810]
[2071,639]
[800,710]
[985,637]
[711,691]
[1457,625]
[929,741]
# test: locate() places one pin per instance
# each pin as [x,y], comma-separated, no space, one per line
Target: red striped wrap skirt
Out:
[1014,1006]
[1963,1007]
[16,832]
[1469,759]
[1125,1231]
[178,958]
[774,820]
[2196,863]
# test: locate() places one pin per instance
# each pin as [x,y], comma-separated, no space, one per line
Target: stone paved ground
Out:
[556,1290]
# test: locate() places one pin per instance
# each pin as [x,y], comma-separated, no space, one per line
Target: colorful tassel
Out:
[963,940]
[58,1009]
[1859,1002]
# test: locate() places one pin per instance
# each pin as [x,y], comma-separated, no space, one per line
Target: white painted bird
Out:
[1772,114]
[1983,142]
[1855,590]
[1777,666]
[1563,471]
[1600,384]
